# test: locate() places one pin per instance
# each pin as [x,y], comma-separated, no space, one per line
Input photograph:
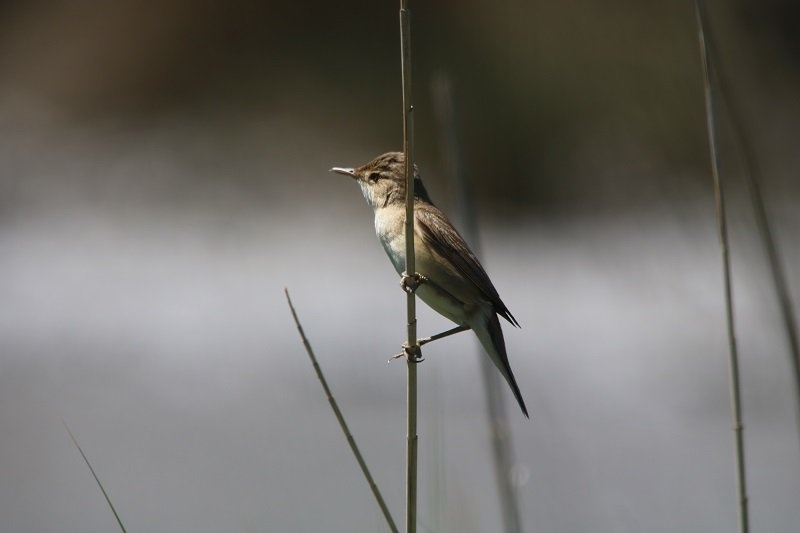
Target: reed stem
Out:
[340,418]
[719,197]
[499,426]
[97,479]
[411,312]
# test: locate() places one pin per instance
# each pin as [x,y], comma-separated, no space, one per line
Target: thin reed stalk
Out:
[719,197]
[413,349]
[499,427]
[752,174]
[94,474]
[340,418]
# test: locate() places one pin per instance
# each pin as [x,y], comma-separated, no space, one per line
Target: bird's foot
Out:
[411,283]
[407,351]
[412,353]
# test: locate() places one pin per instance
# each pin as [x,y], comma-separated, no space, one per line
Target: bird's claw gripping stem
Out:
[412,353]
[411,283]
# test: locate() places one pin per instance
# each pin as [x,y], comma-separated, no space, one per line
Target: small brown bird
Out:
[454,283]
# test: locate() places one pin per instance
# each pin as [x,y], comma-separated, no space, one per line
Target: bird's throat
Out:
[390,229]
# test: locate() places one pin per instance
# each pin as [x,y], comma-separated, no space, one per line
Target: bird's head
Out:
[383,180]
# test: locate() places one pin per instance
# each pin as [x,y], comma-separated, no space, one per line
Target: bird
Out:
[451,279]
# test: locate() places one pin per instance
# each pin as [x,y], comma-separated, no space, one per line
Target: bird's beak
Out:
[345,171]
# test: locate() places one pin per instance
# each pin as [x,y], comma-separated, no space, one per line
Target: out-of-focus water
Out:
[145,308]
[165,342]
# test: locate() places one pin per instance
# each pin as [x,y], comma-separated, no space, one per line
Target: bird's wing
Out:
[439,234]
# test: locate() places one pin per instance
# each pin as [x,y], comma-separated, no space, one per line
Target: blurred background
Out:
[163,175]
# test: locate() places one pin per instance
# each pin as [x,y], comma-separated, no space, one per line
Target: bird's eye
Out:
[374,177]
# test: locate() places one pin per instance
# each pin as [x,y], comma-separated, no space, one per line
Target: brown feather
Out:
[439,234]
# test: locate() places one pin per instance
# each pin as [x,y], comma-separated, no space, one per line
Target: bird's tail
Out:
[491,337]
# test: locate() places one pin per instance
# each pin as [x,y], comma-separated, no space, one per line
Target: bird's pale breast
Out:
[450,302]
